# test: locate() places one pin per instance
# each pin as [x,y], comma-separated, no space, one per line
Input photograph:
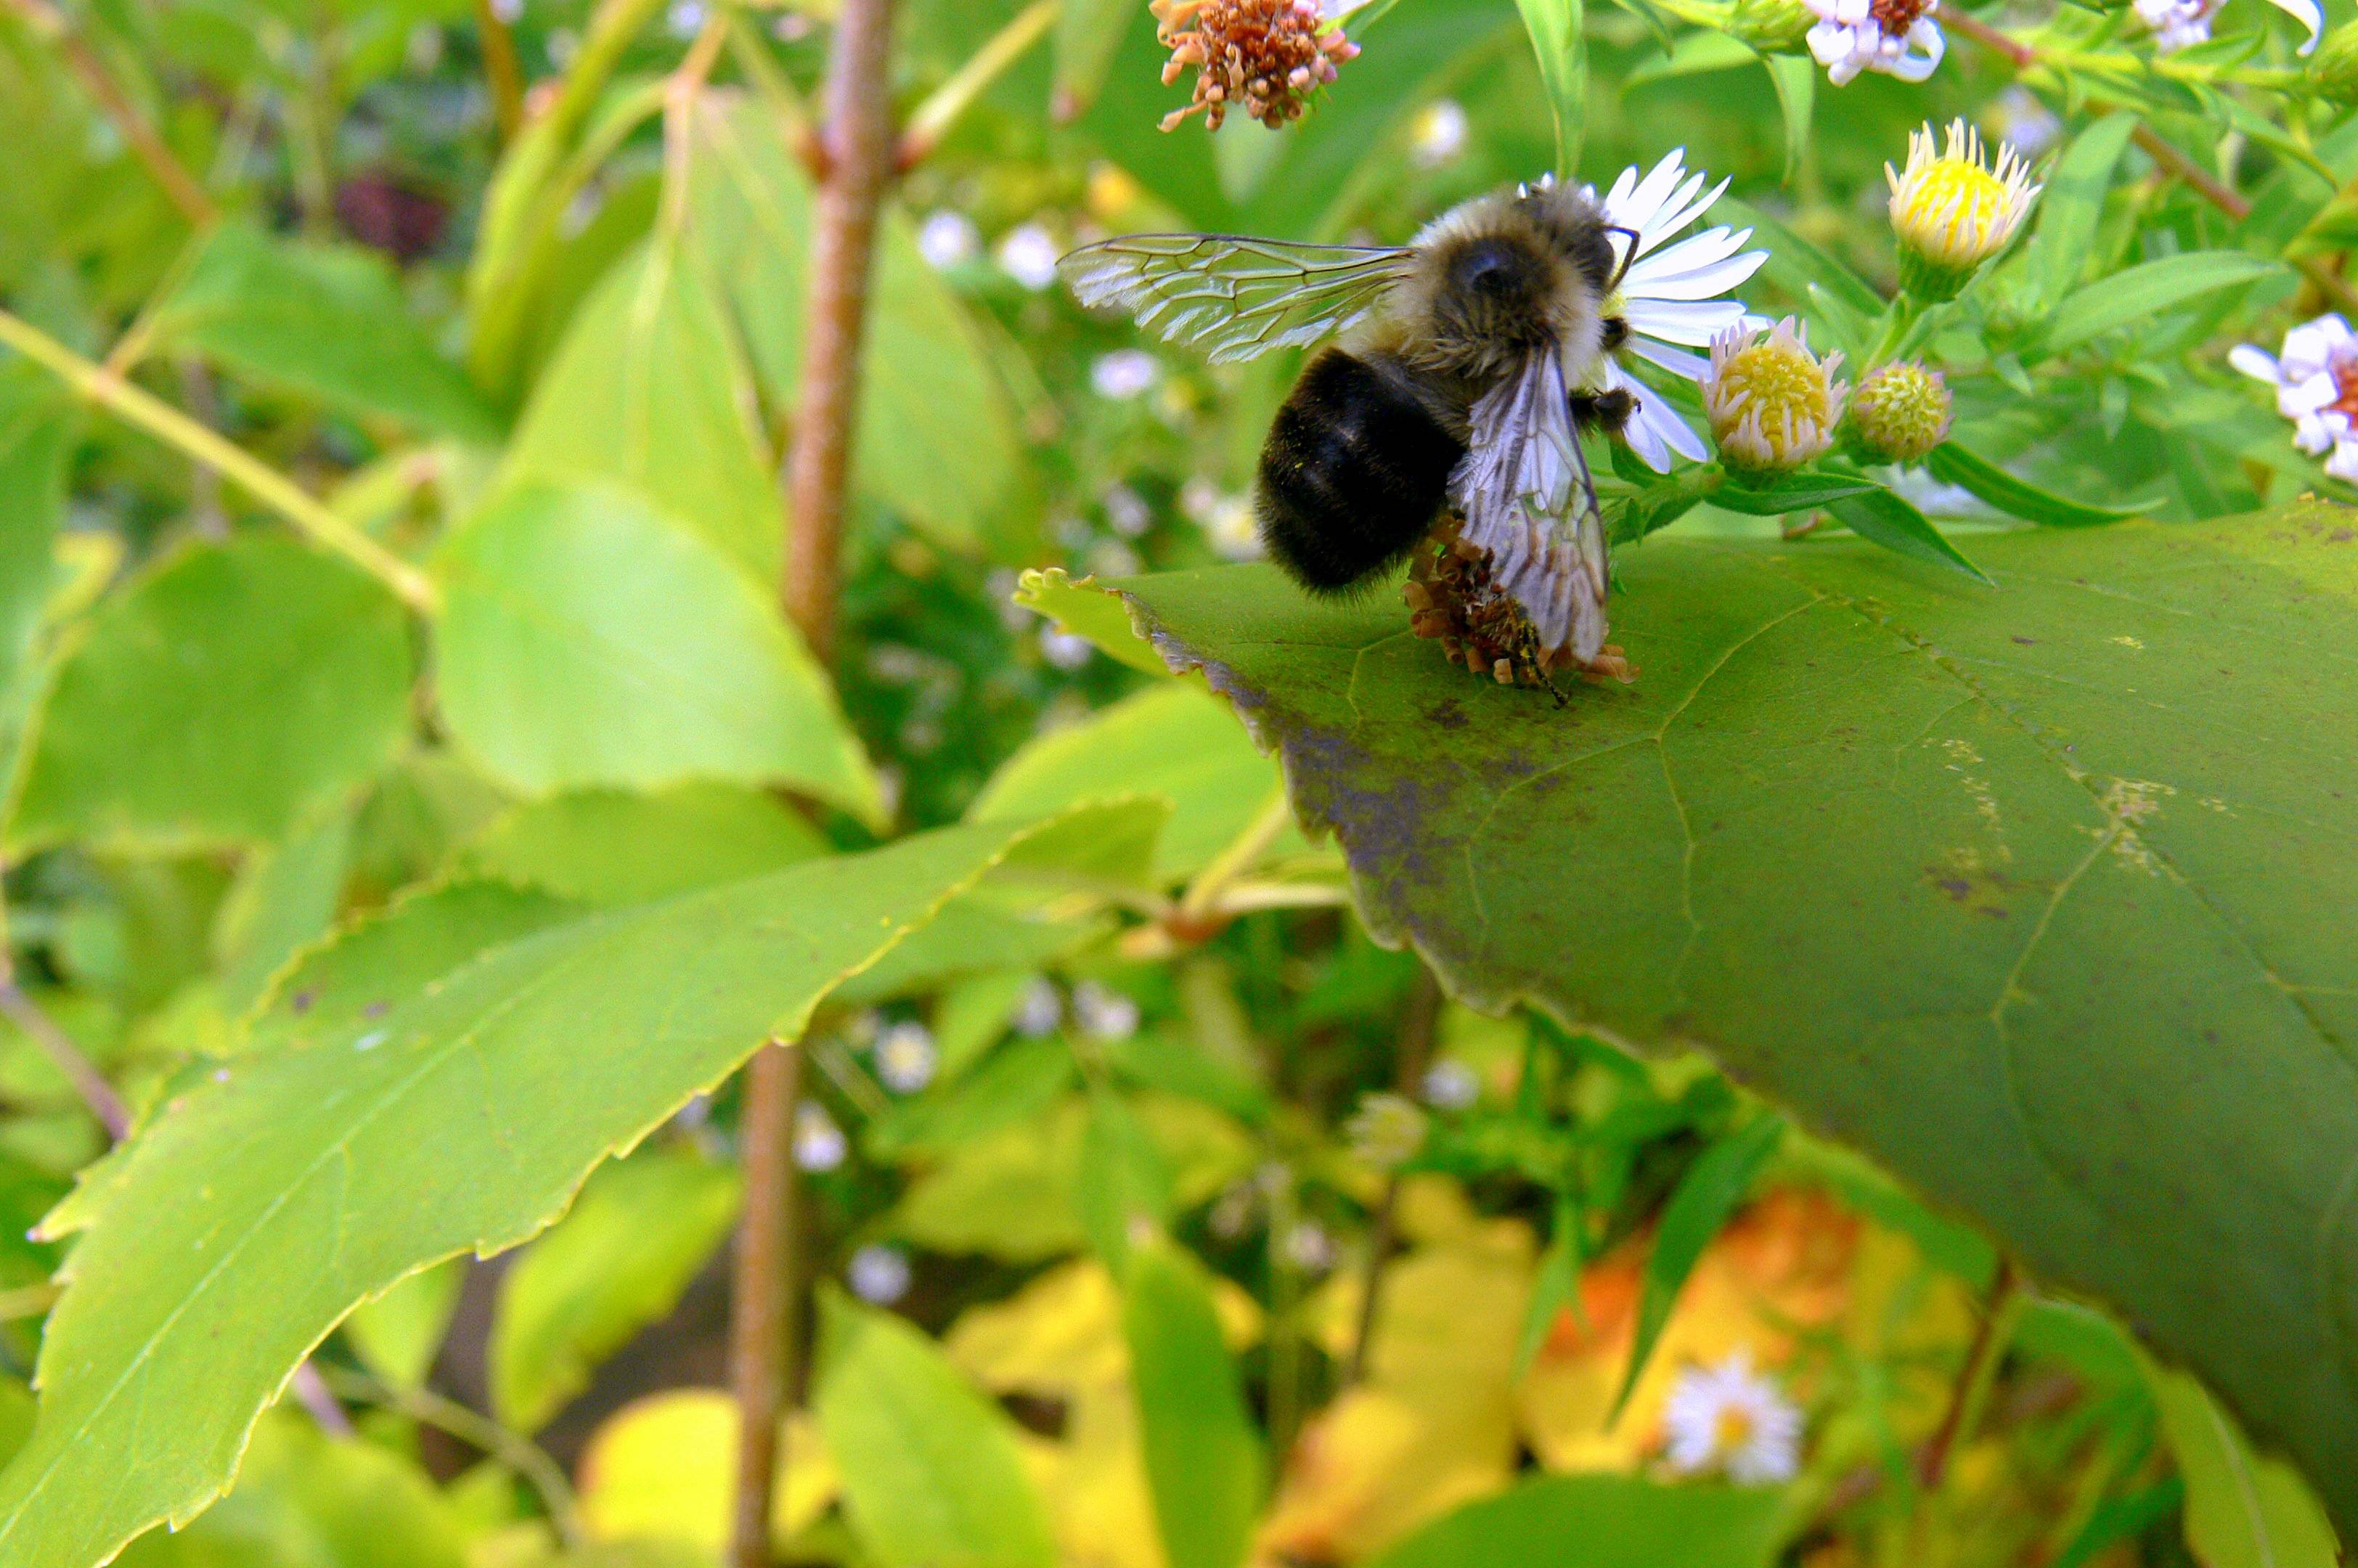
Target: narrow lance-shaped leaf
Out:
[2242,1509]
[1953,462]
[2145,290]
[462,1113]
[2056,935]
[1562,45]
[1705,1200]
[1202,1454]
[2071,204]
[1891,520]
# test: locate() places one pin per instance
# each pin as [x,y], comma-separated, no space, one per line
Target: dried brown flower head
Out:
[1452,600]
[1264,55]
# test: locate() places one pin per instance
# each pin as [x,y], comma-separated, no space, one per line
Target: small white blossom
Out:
[508,11]
[819,1143]
[947,240]
[1103,1014]
[2316,378]
[1451,1085]
[2179,24]
[1386,1131]
[1126,512]
[1065,650]
[906,1057]
[1226,517]
[1731,1419]
[2019,117]
[1309,1249]
[686,18]
[879,1275]
[1125,374]
[1028,254]
[1898,38]
[1040,1011]
[1441,134]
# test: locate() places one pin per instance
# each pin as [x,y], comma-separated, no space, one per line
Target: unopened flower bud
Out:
[1773,404]
[1772,26]
[2333,69]
[1386,1132]
[1901,412]
[1955,211]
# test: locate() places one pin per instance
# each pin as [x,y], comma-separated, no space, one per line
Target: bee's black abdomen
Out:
[1354,470]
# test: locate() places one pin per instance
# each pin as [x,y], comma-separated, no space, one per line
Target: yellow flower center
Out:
[1778,378]
[1950,209]
[1732,1430]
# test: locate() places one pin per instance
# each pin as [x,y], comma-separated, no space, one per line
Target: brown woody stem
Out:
[858,164]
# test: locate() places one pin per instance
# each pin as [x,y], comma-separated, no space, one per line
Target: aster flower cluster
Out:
[2181,24]
[1263,56]
[1898,38]
[2316,378]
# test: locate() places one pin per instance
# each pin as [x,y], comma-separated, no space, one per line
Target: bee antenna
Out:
[1627,256]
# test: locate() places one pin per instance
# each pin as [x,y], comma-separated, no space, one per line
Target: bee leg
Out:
[1608,411]
[1616,332]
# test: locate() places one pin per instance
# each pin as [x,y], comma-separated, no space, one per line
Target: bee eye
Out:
[1486,268]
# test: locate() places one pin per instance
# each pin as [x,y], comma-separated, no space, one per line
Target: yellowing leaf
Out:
[665,1467]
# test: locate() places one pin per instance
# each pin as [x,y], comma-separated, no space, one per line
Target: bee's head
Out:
[1497,279]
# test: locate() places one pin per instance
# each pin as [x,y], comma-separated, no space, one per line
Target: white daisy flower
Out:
[1125,374]
[1440,134]
[906,1057]
[1898,38]
[1104,1013]
[819,1143]
[2178,24]
[879,1275]
[1731,1419]
[2316,378]
[1040,1011]
[1670,295]
[1028,253]
[949,239]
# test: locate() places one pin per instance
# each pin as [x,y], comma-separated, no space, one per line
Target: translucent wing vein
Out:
[1232,297]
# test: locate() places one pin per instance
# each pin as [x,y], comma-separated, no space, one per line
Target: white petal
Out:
[1692,323]
[1684,209]
[1830,42]
[2307,395]
[1638,210]
[1672,427]
[1698,283]
[1640,431]
[1694,251]
[2308,13]
[2255,363]
[2343,464]
[1678,362]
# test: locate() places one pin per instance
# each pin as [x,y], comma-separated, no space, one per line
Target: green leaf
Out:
[1172,741]
[326,321]
[931,1473]
[1891,520]
[285,898]
[2051,937]
[398,1334]
[2071,205]
[589,641]
[1953,462]
[1795,77]
[1074,607]
[37,431]
[634,1238]
[1555,1285]
[1122,1187]
[1694,54]
[1707,1198]
[1203,1454]
[1795,264]
[1562,45]
[1791,492]
[610,847]
[1617,1521]
[229,1237]
[2243,1510]
[2142,292]
[938,437]
[1089,35]
[219,699]
[649,390]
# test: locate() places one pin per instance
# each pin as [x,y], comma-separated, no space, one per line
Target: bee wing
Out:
[1524,489]
[1231,296]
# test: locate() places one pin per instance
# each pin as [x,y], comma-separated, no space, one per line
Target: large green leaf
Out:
[613,846]
[930,1468]
[938,437]
[649,389]
[220,699]
[327,321]
[1202,1454]
[587,640]
[1170,741]
[616,1263]
[458,1110]
[1601,1521]
[2041,895]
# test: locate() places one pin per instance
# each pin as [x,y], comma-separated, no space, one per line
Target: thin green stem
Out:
[137,406]
[511,1449]
[941,109]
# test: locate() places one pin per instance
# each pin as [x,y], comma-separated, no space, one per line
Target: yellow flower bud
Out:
[1773,404]
[1955,211]
[1901,412]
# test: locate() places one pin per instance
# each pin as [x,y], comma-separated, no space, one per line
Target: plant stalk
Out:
[765,1288]
[134,405]
[1420,1021]
[501,69]
[139,134]
[1991,1339]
